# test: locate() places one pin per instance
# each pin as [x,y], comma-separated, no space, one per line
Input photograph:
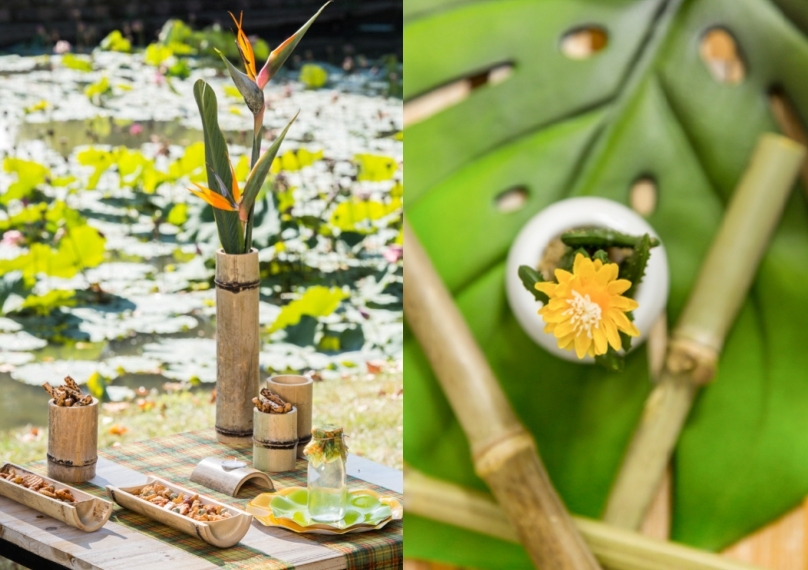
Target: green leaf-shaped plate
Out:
[366,510]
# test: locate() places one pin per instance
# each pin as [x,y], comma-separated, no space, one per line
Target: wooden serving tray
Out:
[88,513]
[223,534]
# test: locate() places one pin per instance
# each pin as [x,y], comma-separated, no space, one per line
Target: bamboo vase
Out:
[298,391]
[275,441]
[72,442]
[237,345]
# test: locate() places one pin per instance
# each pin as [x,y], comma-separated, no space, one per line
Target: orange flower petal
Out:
[236,191]
[216,200]
[244,47]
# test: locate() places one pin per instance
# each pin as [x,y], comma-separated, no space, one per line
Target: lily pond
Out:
[106,259]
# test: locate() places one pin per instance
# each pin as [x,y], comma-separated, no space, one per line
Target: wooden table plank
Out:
[116,547]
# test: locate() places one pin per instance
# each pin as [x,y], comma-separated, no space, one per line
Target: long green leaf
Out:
[217,162]
[259,172]
[280,54]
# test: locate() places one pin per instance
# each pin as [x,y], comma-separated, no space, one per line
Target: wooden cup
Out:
[237,345]
[298,391]
[72,442]
[275,441]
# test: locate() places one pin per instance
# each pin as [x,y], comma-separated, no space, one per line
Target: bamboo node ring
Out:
[68,463]
[686,355]
[233,433]
[235,286]
[491,458]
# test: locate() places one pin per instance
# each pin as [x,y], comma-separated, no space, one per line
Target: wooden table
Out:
[41,542]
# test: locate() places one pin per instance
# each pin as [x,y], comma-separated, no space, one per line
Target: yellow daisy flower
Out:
[586,309]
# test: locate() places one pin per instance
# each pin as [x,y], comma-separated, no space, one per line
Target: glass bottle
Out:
[328,492]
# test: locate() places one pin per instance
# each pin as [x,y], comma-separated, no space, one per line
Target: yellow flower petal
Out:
[600,342]
[619,318]
[611,334]
[563,276]
[582,343]
[582,266]
[586,311]
[624,303]
[546,287]
[618,287]
[608,273]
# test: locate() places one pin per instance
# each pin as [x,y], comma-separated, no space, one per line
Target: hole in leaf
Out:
[432,102]
[583,43]
[643,196]
[720,53]
[512,199]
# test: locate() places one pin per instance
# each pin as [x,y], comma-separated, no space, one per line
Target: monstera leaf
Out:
[645,107]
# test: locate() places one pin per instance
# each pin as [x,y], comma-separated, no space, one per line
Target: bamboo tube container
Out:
[504,453]
[721,286]
[237,345]
[274,441]
[615,548]
[72,442]
[298,391]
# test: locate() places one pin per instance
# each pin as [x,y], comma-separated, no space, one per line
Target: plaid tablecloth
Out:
[174,458]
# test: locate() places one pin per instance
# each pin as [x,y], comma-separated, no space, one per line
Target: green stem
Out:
[256,151]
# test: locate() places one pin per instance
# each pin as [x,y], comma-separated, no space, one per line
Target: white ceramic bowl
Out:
[529,246]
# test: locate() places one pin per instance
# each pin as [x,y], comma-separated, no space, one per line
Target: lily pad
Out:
[37,373]
[20,341]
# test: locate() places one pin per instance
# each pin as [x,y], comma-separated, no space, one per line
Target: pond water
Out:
[110,172]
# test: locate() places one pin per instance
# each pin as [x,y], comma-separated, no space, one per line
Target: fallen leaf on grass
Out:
[32,434]
[118,429]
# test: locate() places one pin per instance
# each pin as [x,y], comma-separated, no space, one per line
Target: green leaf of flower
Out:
[259,172]
[218,162]
[253,95]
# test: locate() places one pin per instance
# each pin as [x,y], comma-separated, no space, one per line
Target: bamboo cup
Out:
[615,548]
[72,442]
[275,441]
[696,341]
[237,281]
[298,391]
[504,453]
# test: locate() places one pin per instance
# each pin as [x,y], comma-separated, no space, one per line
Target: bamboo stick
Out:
[791,125]
[615,548]
[721,286]
[504,453]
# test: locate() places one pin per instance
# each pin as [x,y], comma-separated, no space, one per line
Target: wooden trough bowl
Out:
[88,513]
[223,533]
